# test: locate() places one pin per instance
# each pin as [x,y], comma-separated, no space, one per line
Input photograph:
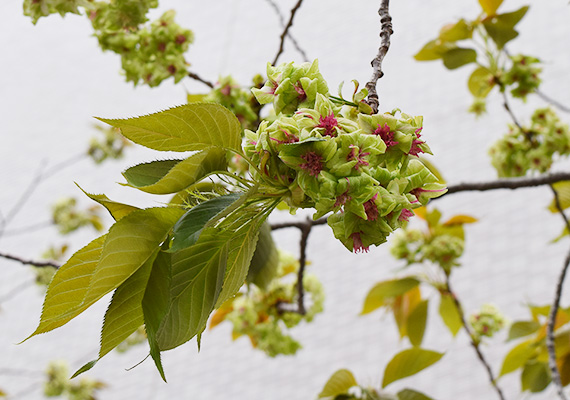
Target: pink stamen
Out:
[313,163]
[328,123]
[386,135]
[405,215]
[357,245]
[371,209]
[359,157]
[300,91]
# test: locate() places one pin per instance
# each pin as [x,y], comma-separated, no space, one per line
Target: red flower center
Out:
[386,135]
[358,247]
[328,123]
[313,164]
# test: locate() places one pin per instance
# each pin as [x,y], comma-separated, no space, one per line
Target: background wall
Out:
[54,79]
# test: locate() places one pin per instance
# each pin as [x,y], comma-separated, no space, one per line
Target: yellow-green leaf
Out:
[563,190]
[339,383]
[433,50]
[501,27]
[172,176]
[517,357]
[535,376]
[383,291]
[189,127]
[522,328]
[449,314]
[416,324]
[116,209]
[458,57]
[101,267]
[409,394]
[490,6]
[459,31]
[409,362]
[460,220]
[265,260]
[480,82]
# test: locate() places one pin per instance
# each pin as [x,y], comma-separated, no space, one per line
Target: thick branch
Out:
[30,262]
[554,310]
[385,32]
[508,183]
[286,31]
[473,340]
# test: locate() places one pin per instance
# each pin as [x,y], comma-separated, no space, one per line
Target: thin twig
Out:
[507,183]
[385,32]
[289,35]
[35,263]
[298,225]
[554,310]
[472,339]
[553,102]
[200,79]
[286,31]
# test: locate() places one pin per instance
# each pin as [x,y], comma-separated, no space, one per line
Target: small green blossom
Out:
[487,322]
[524,75]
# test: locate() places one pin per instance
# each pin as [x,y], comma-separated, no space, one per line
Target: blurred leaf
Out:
[480,82]
[409,394]
[517,357]
[535,376]
[563,190]
[459,31]
[220,314]
[383,291]
[421,212]
[565,232]
[433,218]
[501,27]
[409,362]
[522,328]
[416,323]
[460,220]
[339,383]
[403,306]
[490,6]
[189,127]
[265,260]
[459,57]
[433,50]
[564,369]
[449,314]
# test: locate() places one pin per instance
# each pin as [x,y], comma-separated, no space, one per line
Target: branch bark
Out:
[200,79]
[474,342]
[289,35]
[286,30]
[35,263]
[385,32]
[554,310]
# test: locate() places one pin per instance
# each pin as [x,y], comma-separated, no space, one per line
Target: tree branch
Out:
[554,310]
[286,30]
[507,183]
[472,339]
[553,102]
[199,79]
[385,32]
[35,263]
[289,35]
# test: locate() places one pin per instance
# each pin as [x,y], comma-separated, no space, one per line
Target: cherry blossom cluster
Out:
[325,154]
[532,148]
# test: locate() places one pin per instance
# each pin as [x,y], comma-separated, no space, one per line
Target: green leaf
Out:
[241,250]
[535,376]
[409,394]
[490,6]
[189,127]
[481,82]
[433,50]
[84,368]
[416,324]
[517,357]
[387,290]
[563,191]
[172,176]
[522,328]
[459,31]
[116,209]
[197,278]
[458,57]
[265,260]
[409,362]
[449,314]
[188,228]
[501,27]
[155,303]
[101,267]
[339,383]
[124,315]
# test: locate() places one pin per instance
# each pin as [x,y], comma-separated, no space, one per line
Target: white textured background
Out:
[54,78]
